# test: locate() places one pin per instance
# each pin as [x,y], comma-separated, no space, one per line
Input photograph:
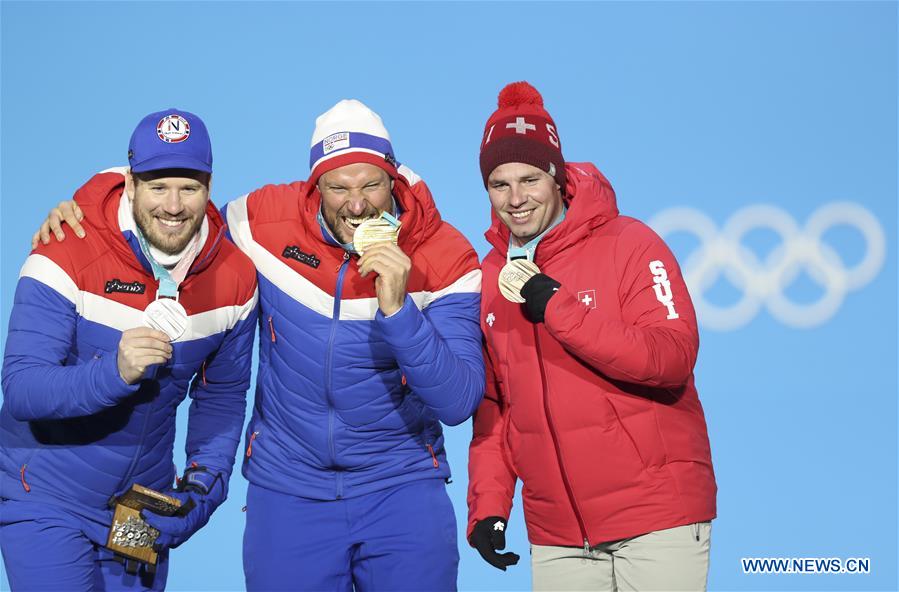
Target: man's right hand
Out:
[139,349]
[65,211]
[489,535]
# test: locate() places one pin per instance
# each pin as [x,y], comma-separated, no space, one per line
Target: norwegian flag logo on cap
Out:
[173,129]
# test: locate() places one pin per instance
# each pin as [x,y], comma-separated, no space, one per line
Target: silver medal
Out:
[168,316]
[513,276]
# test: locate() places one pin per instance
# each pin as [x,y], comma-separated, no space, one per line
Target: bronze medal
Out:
[513,276]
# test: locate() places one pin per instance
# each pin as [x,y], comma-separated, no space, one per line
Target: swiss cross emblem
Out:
[588,298]
[521,126]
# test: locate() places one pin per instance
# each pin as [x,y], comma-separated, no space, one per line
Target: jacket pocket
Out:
[507,442]
[621,426]
[251,439]
[271,328]
[512,445]
[23,468]
[434,461]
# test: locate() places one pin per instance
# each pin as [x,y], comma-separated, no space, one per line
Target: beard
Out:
[170,244]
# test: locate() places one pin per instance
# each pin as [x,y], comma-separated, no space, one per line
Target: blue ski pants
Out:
[46,548]
[400,538]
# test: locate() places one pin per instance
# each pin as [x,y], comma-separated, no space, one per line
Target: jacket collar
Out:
[591,203]
[100,198]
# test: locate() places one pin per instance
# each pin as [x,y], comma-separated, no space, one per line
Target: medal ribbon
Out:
[392,219]
[168,288]
[527,251]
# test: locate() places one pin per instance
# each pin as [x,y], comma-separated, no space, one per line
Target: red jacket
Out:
[595,409]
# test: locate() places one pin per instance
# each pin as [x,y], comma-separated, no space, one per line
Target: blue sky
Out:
[713,106]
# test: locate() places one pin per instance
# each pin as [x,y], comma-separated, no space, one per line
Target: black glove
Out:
[536,293]
[489,535]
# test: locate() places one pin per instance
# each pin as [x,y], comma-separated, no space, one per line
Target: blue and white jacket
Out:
[349,401]
[73,433]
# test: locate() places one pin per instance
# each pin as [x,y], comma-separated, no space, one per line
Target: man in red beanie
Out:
[591,340]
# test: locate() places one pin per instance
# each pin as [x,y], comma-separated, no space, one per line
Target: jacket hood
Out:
[99,200]
[591,203]
[419,215]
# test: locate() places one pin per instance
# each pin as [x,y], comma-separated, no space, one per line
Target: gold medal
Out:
[168,316]
[513,276]
[373,231]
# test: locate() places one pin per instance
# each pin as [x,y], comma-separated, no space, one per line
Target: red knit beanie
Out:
[522,131]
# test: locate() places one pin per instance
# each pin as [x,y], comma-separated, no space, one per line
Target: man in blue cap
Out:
[369,341]
[106,338]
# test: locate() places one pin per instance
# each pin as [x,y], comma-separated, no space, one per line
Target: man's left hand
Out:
[536,293]
[175,530]
[392,267]
[200,492]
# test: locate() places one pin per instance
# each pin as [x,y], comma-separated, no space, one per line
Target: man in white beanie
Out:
[369,339]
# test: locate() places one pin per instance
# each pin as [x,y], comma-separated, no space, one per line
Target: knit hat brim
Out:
[354,157]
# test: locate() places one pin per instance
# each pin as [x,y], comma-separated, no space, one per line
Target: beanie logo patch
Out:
[337,141]
[521,126]
[173,129]
[552,169]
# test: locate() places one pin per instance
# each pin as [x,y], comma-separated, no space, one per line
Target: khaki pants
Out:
[671,559]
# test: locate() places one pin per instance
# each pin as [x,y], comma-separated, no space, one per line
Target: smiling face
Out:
[525,198]
[169,209]
[352,194]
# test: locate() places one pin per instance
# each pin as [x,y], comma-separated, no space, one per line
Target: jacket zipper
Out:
[335,319]
[198,266]
[195,268]
[140,447]
[555,439]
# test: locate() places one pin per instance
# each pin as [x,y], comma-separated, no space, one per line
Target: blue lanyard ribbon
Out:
[527,251]
[167,286]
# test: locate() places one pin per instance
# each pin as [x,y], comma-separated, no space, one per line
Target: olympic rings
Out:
[721,252]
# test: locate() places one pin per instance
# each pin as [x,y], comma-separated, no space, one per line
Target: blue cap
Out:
[170,139]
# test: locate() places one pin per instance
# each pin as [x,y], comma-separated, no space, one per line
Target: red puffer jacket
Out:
[595,409]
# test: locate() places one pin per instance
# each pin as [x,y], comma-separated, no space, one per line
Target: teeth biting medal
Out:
[384,228]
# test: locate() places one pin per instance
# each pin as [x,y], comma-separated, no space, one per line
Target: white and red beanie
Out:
[348,133]
[521,130]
